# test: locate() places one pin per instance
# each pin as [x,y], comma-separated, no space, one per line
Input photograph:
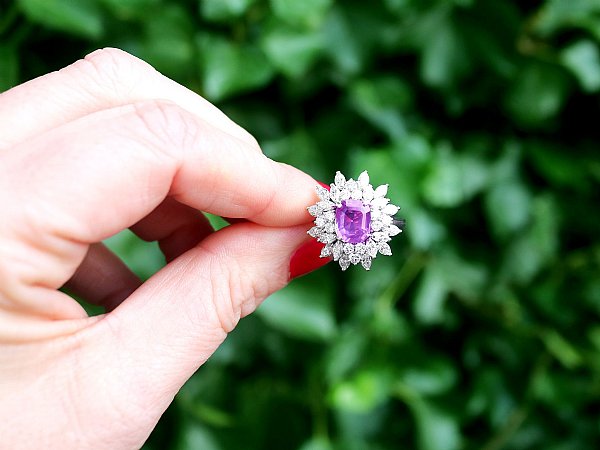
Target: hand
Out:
[106,144]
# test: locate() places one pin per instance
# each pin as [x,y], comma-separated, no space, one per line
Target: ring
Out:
[354,221]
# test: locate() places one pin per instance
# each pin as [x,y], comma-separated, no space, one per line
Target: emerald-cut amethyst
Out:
[353,221]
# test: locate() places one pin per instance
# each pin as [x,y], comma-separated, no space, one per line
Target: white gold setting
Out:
[381,223]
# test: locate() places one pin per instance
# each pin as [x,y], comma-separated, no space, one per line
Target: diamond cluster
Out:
[377,222]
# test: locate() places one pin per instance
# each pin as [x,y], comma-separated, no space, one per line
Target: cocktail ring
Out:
[354,221]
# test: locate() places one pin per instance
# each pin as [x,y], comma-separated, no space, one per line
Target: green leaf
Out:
[535,247]
[143,258]
[445,59]
[342,44]
[556,15]
[302,310]
[9,67]
[537,94]
[131,9]
[317,443]
[583,60]
[433,376]
[224,10]
[291,52]
[229,68]
[167,43]
[306,13]
[79,17]
[437,429]
[454,179]
[561,349]
[363,392]
[431,297]
[381,102]
[508,207]
[196,436]
[345,354]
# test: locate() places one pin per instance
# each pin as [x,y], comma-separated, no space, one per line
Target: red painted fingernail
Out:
[306,259]
[326,186]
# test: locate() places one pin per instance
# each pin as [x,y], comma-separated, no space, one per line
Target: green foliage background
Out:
[483,115]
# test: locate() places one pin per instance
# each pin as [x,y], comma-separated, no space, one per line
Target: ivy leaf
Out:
[303,309]
[305,14]
[224,10]
[81,17]
[583,60]
[229,68]
[537,94]
[437,429]
[291,52]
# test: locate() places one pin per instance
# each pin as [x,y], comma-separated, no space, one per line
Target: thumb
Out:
[177,319]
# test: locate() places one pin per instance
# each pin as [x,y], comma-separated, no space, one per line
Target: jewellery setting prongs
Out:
[354,221]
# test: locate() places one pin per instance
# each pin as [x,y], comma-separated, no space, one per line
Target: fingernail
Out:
[307,258]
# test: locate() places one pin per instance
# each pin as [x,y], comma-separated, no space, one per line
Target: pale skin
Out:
[100,146]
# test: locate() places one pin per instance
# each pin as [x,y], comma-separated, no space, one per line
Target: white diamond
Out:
[334,194]
[381,191]
[368,193]
[344,194]
[385,249]
[376,214]
[329,228]
[329,216]
[387,220]
[366,262]
[351,185]
[355,259]
[348,248]
[380,237]
[380,202]
[329,238]
[393,230]
[340,179]
[337,250]
[325,205]
[325,252]
[320,221]
[315,232]
[363,179]
[325,238]
[313,210]
[360,248]
[372,249]
[356,194]
[376,225]
[390,209]
[344,262]
[322,192]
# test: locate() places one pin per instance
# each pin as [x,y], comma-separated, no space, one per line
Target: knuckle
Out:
[173,128]
[113,69]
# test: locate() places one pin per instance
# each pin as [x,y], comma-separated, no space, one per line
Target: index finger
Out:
[106,171]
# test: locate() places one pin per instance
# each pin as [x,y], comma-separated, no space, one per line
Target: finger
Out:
[102,278]
[175,226]
[120,165]
[104,79]
[177,319]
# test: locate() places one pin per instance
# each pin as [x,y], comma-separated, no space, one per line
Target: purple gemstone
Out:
[353,221]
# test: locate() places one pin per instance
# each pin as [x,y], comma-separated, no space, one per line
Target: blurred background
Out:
[482,331]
